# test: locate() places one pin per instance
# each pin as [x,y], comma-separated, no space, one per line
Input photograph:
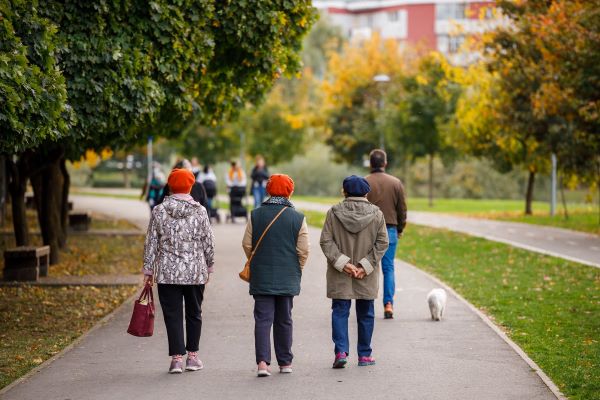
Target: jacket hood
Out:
[179,209]
[355,214]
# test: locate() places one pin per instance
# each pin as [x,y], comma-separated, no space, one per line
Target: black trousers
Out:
[171,299]
[275,311]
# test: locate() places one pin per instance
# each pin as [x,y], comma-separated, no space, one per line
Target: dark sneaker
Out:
[176,365]
[341,359]
[388,311]
[364,361]
[193,363]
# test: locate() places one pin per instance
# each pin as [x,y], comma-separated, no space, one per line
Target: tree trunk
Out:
[563,198]
[406,172]
[2,190]
[51,209]
[529,194]
[126,180]
[17,187]
[48,183]
[64,215]
[431,180]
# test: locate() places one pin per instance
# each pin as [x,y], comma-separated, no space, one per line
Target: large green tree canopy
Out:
[32,90]
[135,68]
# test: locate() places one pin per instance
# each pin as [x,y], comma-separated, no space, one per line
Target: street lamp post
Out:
[381,79]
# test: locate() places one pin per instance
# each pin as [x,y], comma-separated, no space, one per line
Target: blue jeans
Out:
[387,266]
[365,318]
[259,192]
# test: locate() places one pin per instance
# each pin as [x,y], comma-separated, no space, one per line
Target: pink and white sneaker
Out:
[193,363]
[176,365]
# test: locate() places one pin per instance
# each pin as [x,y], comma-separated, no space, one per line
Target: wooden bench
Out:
[80,221]
[26,263]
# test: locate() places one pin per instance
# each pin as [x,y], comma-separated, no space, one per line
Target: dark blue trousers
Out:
[275,311]
[365,318]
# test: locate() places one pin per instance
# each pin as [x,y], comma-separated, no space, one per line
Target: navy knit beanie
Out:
[356,186]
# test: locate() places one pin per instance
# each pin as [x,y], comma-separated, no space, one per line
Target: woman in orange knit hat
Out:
[179,256]
[275,271]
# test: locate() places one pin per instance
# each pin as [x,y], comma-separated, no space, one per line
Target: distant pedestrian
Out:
[179,257]
[196,167]
[275,271]
[354,238]
[236,177]
[208,179]
[260,176]
[387,193]
[198,193]
[153,189]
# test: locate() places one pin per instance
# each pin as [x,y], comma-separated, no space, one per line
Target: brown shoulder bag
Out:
[245,274]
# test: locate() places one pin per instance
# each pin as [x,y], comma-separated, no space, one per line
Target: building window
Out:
[393,16]
[370,20]
[450,44]
[449,11]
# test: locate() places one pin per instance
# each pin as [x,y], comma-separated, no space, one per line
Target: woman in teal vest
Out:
[275,271]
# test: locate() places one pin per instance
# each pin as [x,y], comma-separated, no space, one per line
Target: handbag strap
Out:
[146,294]
[265,232]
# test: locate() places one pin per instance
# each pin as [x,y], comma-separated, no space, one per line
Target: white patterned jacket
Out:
[179,246]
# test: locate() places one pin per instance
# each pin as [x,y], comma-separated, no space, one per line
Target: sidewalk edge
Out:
[75,342]
[532,364]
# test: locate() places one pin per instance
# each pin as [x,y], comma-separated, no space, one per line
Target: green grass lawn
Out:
[87,192]
[585,221]
[583,217]
[547,305]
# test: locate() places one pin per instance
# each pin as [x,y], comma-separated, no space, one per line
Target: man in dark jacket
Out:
[198,193]
[387,193]
[275,271]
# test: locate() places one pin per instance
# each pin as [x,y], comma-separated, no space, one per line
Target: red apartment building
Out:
[439,25]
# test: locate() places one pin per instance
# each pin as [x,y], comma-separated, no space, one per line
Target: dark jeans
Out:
[365,318]
[273,311]
[171,301]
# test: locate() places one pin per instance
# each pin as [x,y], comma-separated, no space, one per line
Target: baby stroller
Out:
[210,187]
[237,206]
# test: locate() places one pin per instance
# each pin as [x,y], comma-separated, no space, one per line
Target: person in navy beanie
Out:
[354,239]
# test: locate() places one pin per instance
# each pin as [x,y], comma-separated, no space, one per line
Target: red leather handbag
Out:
[142,319]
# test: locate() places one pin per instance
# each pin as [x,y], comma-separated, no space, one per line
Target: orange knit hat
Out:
[280,185]
[181,181]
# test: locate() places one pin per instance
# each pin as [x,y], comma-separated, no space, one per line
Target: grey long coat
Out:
[354,232]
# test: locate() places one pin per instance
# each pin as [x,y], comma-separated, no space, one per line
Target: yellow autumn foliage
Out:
[92,159]
[357,64]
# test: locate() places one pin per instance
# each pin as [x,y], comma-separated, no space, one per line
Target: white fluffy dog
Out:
[437,303]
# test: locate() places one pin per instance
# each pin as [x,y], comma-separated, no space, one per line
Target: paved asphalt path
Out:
[564,243]
[458,358]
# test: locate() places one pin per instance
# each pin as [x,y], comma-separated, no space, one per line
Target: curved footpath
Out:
[571,245]
[458,358]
